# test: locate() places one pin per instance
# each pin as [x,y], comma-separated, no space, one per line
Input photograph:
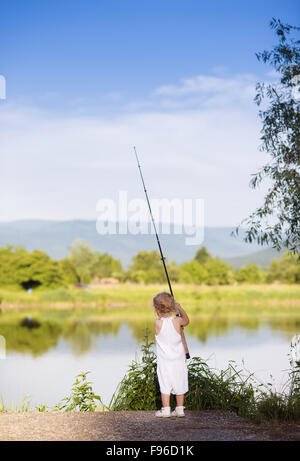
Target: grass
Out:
[138,298]
[22,407]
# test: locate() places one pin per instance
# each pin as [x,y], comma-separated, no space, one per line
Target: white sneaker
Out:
[164,412]
[179,411]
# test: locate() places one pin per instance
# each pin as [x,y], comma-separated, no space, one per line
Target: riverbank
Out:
[140,426]
[129,296]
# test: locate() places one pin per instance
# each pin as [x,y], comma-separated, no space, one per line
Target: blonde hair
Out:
[164,303]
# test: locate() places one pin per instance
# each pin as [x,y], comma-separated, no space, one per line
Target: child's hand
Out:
[178,307]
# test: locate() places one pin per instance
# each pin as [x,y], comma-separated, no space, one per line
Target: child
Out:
[171,366]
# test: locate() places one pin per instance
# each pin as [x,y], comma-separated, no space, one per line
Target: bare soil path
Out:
[140,425]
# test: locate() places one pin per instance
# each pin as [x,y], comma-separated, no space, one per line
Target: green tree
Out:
[28,269]
[37,269]
[285,270]
[82,258]
[219,272]
[146,267]
[68,270]
[250,273]
[277,220]
[7,272]
[193,272]
[174,272]
[106,266]
[202,256]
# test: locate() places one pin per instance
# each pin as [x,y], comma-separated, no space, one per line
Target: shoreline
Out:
[129,297]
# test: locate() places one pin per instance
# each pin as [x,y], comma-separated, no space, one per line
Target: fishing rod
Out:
[187,354]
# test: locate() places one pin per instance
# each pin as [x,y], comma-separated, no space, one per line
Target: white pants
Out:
[172,376]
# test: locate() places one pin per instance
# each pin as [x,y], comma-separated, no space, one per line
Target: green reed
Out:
[232,389]
[22,407]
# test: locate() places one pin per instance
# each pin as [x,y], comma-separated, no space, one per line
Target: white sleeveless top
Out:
[168,341]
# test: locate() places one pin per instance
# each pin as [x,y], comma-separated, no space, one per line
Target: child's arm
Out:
[157,325]
[184,320]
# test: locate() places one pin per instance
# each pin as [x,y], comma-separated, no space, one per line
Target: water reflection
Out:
[82,333]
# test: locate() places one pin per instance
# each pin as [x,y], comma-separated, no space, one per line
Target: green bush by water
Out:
[231,389]
[82,397]
[139,389]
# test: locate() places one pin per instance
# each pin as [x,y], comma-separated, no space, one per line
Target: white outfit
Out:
[171,366]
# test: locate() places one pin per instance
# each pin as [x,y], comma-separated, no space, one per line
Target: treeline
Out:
[28,270]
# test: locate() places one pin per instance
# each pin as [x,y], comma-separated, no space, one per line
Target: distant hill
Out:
[262,258]
[56,237]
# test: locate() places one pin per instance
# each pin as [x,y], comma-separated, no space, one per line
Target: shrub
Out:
[230,389]
[82,397]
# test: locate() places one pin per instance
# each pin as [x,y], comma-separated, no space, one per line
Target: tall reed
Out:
[232,389]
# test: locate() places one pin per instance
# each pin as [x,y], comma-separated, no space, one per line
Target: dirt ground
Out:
[138,426]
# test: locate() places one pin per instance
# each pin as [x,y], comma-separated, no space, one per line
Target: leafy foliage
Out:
[251,273]
[82,397]
[28,270]
[82,257]
[203,256]
[36,270]
[193,272]
[138,390]
[285,270]
[146,267]
[89,263]
[276,222]
[69,272]
[231,389]
[206,269]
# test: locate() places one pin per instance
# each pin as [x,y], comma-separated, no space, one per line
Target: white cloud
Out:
[59,166]
[206,88]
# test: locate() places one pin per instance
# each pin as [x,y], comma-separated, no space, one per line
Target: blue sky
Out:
[93,48]
[86,80]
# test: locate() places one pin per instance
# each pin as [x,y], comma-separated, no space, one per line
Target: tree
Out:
[82,257]
[174,272]
[68,270]
[276,222]
[7,273]
[219,272]
[285,270]
[37,269]
[202,256]
[106,266]
[18,267]
[193,272]
[251,273]
[89,263]
[146,268]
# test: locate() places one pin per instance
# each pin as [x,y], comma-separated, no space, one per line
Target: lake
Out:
[44,363]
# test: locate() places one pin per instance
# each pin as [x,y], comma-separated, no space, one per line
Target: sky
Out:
[88,80]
